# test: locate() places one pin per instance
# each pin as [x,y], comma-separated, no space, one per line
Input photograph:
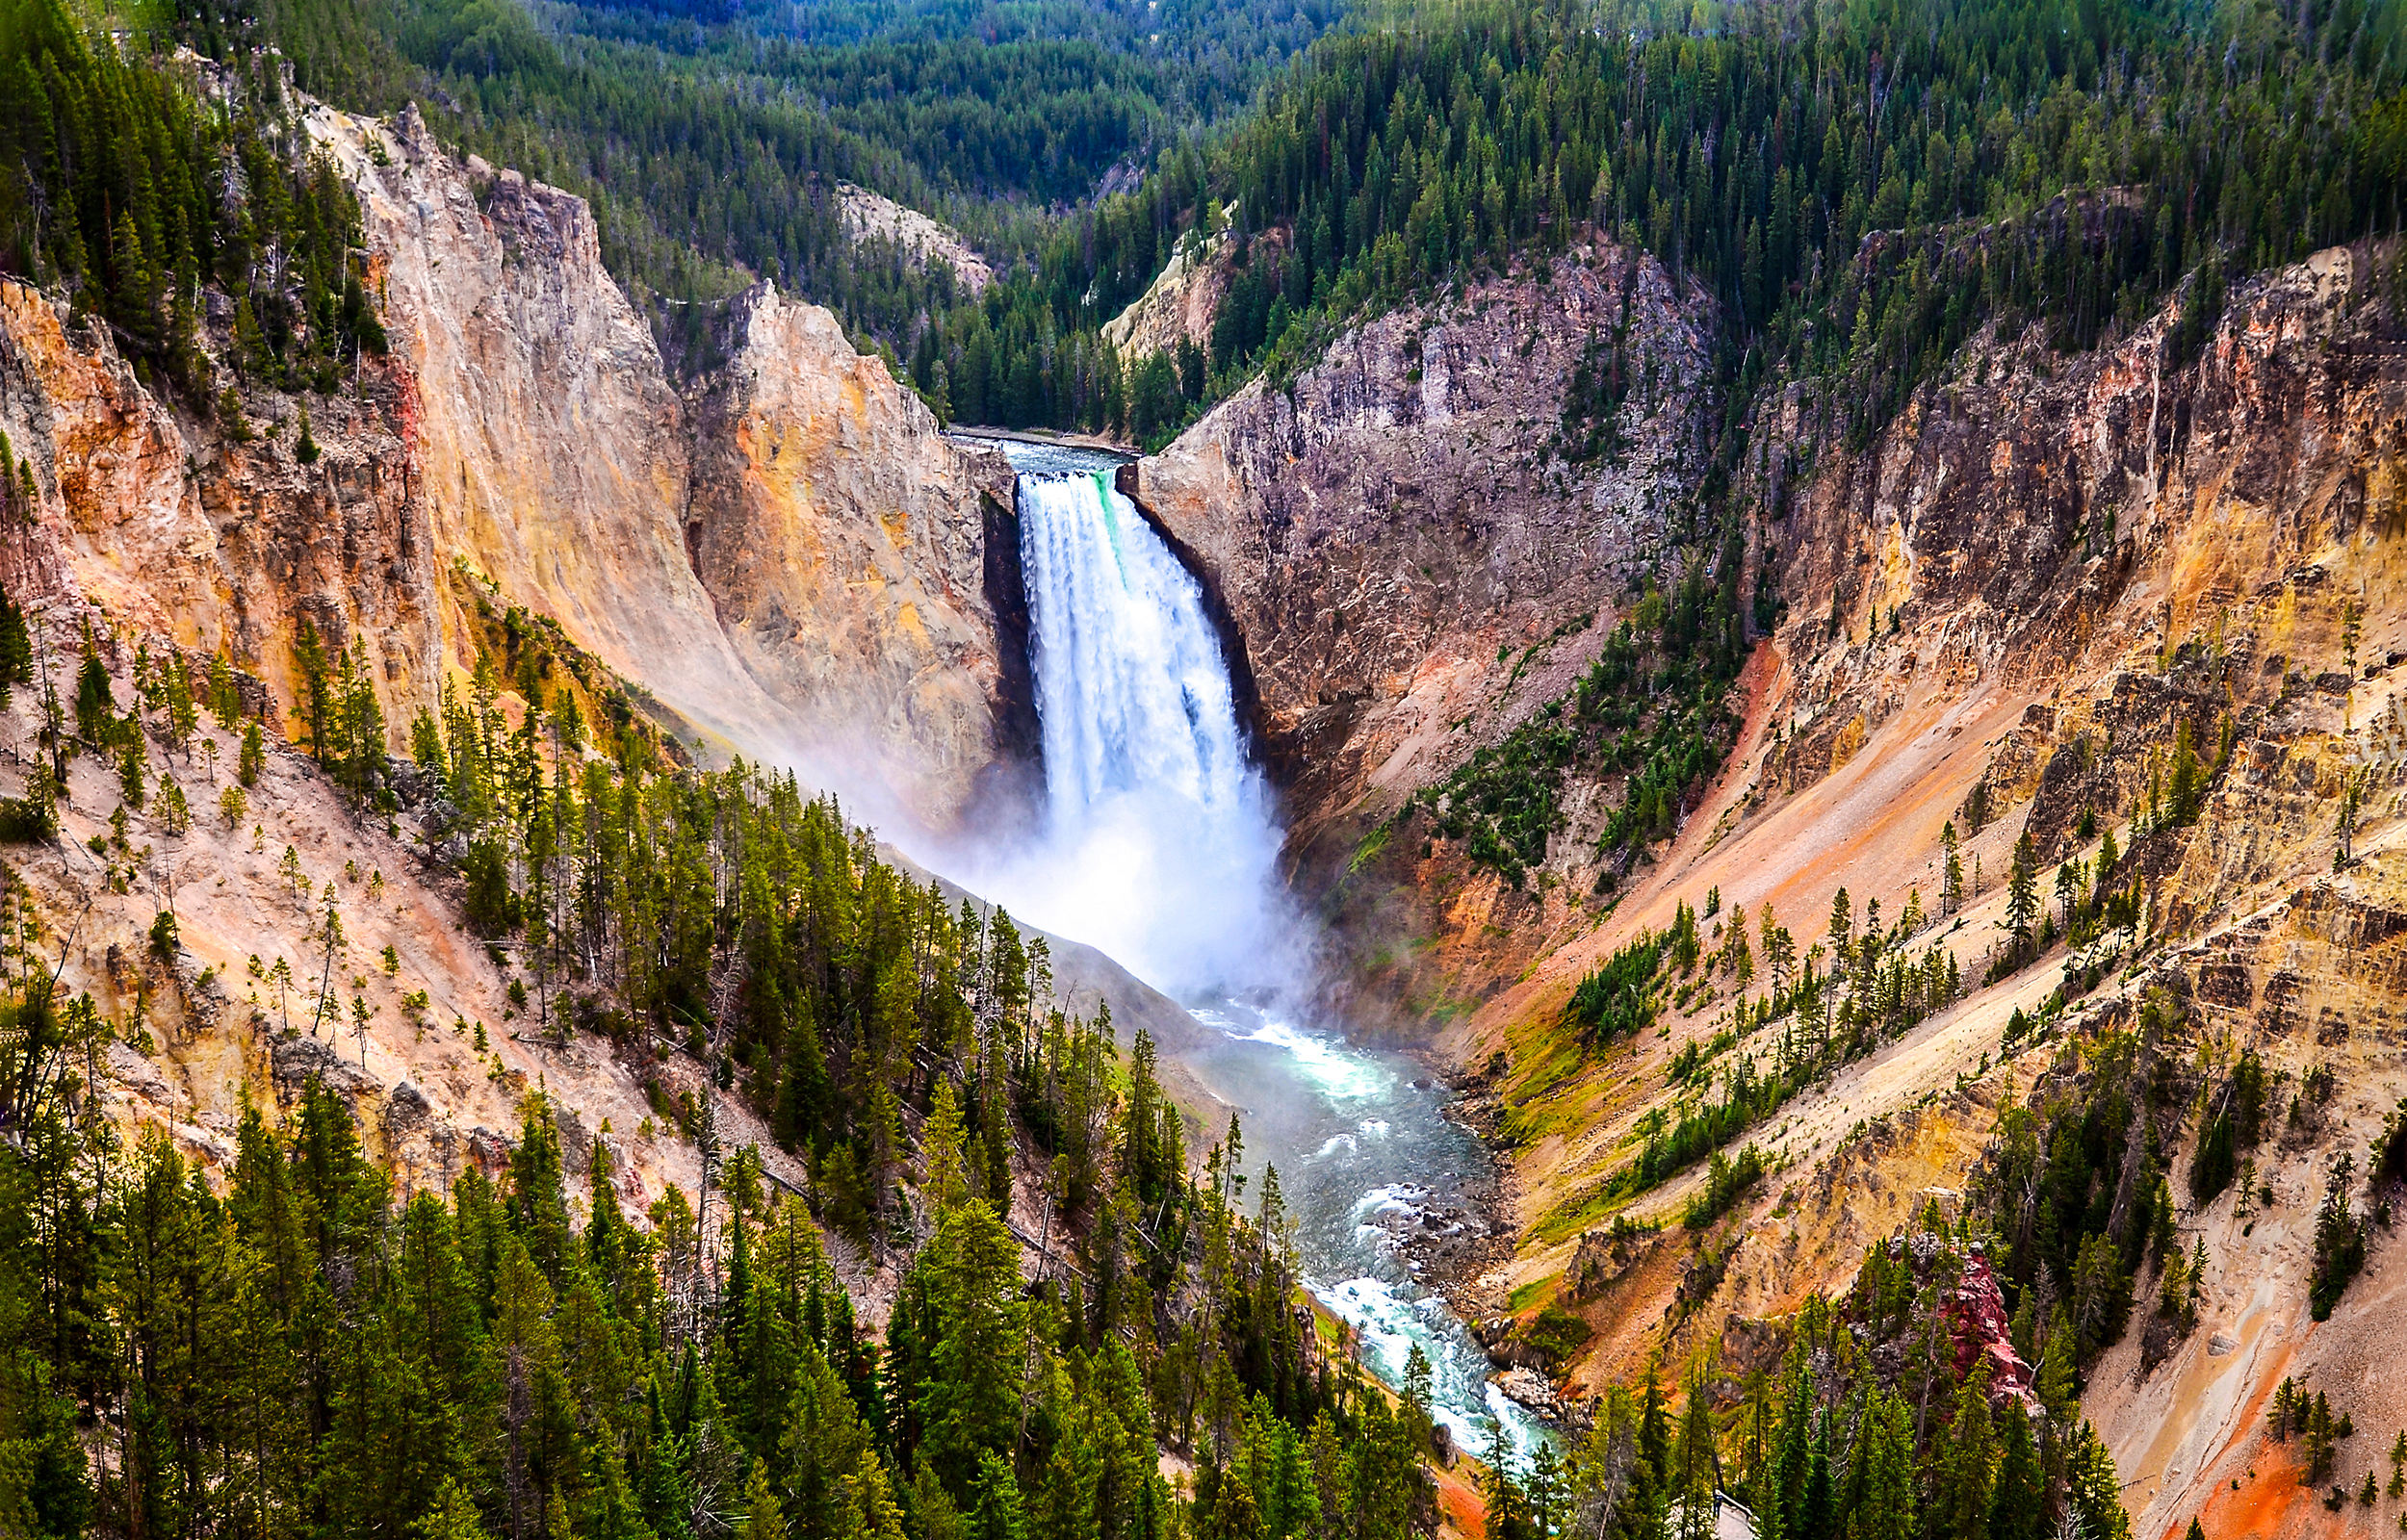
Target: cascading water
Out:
[1163,836]
[1160,846]
[1133,689]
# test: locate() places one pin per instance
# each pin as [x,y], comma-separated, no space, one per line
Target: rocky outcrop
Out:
[2006,608]
[843,540]
[795,561]
[1380,527]
[185,532]
[2137,541]
[790,555]
[1178,305]
[543,434]
[921,242]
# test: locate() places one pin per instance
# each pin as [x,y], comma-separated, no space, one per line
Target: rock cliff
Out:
[785,554]
[191,533]
[544,437]
[1177,305]
[794,555]
[793,552]
[787,548]
[1413,562]
[1384,528]
[920,240]
[845,544]
[2047,573]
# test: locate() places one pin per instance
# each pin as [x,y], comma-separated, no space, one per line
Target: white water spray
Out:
[1158,843]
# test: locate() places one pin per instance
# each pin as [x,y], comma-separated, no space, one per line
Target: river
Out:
[1372,1172]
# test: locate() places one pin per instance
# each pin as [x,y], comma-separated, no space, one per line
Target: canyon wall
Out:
[545,438]
[1385,525]
[2003,610]
[2046,571]
[210,540]
[1415,557]
[788,555]
[843,542]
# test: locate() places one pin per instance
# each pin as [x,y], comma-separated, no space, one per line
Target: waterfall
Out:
[1158,840]
[1133,691]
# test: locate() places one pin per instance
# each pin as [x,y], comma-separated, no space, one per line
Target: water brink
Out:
[1159,835]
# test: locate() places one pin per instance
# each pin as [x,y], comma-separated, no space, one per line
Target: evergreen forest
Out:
[1855,189]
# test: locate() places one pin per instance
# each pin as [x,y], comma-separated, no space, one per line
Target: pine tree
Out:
[2018,1504]
[763,1518]
[450,1517]
[225,702]
[2091,1490]
[253,757]
[1884,1447]
[1951,878]
[971,1403]
[2022,896]
[133,763]
[1546,1492]
[2054,1381]
[1818,1514]
[995,1512]
[317,691]
[183,710]
[945,1178]
[1508,1517]
[1967,1477]
[2186,787]
[95,698]
[2318,1440]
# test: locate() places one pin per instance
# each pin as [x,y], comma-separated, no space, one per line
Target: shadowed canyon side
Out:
[1386,522]
[1419,548]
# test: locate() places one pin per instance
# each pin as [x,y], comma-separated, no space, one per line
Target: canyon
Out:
[782,561]
[2002,608]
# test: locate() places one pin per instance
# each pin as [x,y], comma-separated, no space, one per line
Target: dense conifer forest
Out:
[127,191]
[305,1343]
[1857,189]
[302,1347]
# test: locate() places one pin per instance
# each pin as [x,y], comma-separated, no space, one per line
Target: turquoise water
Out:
[1373,1173]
